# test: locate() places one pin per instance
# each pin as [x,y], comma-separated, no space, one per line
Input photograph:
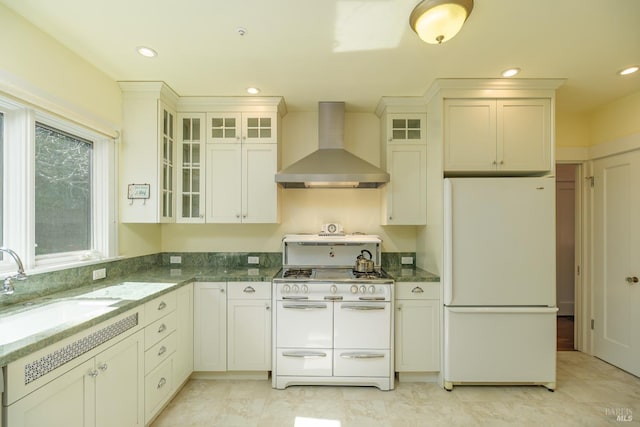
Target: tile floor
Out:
[590,393]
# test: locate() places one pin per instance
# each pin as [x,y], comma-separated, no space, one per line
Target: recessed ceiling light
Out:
[146,51]
[629,70]
[510,72]
[253,90]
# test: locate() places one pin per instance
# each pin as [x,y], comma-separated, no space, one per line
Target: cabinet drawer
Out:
[158,385]
[159,329]
[418,290]
[315,362]
[249,290]
[159,352]
[362,363]
[158,307]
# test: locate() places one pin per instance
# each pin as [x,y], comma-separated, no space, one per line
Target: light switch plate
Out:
[175,259]
[407,260]
[100,273]
[254,260]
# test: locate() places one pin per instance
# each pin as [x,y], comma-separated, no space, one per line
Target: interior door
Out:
[617,260]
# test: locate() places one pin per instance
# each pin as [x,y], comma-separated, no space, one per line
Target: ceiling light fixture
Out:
[629,70]
[437,21]
[147,51]
[510,72]
[253,90]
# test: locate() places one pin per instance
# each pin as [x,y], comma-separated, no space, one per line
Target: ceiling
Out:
[347,50]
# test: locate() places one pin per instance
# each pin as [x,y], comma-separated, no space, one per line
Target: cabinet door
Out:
[224,127]
[524,135]
[470,135]
[406,128]
[406,193]
[191,175]
[224,183]
[249,335]
[259,189]
[167,123]
[67,401]
[259,128]
[183,359]
[210,326]
[120,383]
[417,335]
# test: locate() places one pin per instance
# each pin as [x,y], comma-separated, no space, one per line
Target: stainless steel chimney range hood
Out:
[331,166]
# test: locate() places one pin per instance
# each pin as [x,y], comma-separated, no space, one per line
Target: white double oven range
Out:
[333,318]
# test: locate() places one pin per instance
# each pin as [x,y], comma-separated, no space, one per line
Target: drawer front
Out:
[315,362]
[249,290]
[159,352]
[362,363]
[418,290]
[157,388]
[159,307]
[159,329]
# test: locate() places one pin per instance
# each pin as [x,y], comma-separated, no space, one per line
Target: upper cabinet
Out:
[228,157]
[148,153]
[404,157]
[497,135]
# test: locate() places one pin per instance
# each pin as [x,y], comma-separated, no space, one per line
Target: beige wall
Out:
[572,130]
[615,120]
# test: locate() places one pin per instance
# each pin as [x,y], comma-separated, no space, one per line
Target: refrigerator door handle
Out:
[504,310]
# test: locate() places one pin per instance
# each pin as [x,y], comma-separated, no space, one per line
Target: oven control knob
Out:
[333,289]
[372,289]
[295,289]
[305,289]
[363,289]
[354,289]
[286,289]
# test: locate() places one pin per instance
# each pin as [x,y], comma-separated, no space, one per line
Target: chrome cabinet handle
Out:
[162,305]
[103,367]
[417,290]
[249,290]
[162,382]
[162,328]
[162,350]
[304,354]
[631,280]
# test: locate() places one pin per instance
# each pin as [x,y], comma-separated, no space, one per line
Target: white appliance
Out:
[499,281]
[332,325]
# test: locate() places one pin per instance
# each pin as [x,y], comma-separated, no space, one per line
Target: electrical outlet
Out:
[254,260]
[407,260]
[175,260]
[100,273]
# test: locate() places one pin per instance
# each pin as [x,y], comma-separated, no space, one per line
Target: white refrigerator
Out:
[499,281]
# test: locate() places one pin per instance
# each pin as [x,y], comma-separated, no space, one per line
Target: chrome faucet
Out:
[7,288]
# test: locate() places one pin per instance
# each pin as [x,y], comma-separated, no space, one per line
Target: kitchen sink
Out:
[39,319]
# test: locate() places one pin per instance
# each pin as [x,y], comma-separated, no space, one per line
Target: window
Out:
[62,192]
[57,183]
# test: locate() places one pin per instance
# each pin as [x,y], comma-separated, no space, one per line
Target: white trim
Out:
[617,146]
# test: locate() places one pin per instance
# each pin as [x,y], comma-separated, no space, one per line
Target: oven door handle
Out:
[363,307]
[360,355]
[304,306]
[304,354]
[371,298]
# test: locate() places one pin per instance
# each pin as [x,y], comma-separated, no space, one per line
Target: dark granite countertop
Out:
[411,274]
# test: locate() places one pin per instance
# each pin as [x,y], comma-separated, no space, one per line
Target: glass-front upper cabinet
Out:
[251,127]
[191,182]
[406,128]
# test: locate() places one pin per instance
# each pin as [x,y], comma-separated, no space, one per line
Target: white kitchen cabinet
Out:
[404,157]
[183,359]
[245,127]
[249,326]
[105,390]
[499,136]
[241,184]
[209,326]
[417,327]
[148,153]
[191,168]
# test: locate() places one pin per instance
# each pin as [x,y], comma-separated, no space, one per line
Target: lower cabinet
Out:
[232,326]
[417,327]
[105,390]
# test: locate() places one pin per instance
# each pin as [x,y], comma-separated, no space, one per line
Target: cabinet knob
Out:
[399,307]
[93,373]
[103,367]
[631,280]
[162,382]
[495,162]
[267,307]
[162,305]
[237,215]
[162,350]
[222,291]
[390,218]
[162,328]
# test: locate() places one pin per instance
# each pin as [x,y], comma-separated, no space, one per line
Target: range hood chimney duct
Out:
[331,166]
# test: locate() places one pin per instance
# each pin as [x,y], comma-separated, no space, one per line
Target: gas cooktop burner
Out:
[298,273]
[368,275]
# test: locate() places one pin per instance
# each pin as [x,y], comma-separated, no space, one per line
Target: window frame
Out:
[19,190]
